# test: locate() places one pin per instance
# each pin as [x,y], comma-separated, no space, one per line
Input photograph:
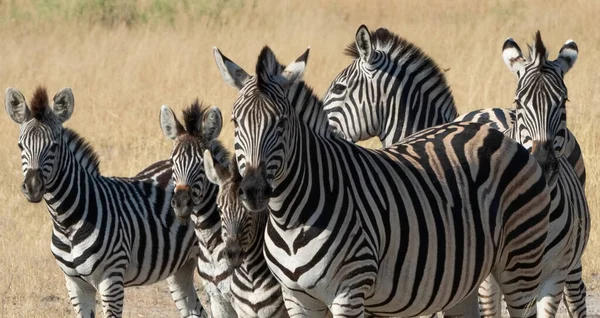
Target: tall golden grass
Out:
[124,59]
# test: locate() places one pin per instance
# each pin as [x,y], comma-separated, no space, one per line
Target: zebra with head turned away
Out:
[541,126]
[108,232]
[392,90]
[254,290]
[195,196]
[409,230]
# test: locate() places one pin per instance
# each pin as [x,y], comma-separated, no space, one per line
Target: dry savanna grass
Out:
[125,59]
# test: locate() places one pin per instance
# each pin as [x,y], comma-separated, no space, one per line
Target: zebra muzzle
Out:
[33,186]
[254,190]
[182,203]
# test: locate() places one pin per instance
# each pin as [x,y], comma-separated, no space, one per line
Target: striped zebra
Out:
[403,231]
[108,232]
[392,90]
[541,126]
[195,196]
[254,290]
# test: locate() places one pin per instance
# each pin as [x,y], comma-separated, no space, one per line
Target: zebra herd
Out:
[453,215]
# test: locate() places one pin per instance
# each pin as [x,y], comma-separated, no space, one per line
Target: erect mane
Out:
[192,118]
[39,103]
[393,45]
[85,154]
[537,51]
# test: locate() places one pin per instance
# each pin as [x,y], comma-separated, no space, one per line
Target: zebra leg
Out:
[468,307]
[550,294]
[181,285]
[490,298]
[575,293]
[299,304]
[112,292]
[219,306]
[520,289]
[82,295]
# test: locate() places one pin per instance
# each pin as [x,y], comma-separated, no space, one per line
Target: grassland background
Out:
[124,59]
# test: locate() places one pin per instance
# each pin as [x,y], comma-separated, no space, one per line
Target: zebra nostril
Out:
[174,203]
[24,187]
[241,193]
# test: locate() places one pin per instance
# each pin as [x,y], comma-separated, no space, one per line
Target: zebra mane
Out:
[393,45]
[39,103]
[192,118]
[537,51]
[83,151]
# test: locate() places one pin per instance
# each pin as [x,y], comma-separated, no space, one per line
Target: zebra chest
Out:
[213,268]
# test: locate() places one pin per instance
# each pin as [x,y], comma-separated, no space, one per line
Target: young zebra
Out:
[108,233]
[392,90]
[404,231]
[254,290]
[541,126]
[195,197]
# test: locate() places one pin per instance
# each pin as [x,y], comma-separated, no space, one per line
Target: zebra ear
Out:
[63,104]
[231,72]
[567,56]
[169,124]
[364,45]
[512,55]
[212,123]
[294,71]
[16,106]
[215,173]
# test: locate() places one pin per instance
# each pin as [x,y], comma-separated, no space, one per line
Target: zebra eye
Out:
[338,88]
[20,146]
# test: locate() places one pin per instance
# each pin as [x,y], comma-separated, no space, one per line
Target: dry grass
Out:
[122,70]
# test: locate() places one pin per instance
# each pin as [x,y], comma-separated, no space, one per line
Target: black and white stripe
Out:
[195,197]
[408,230]
[541,126]
[392,90]
[108,232]
[254,290]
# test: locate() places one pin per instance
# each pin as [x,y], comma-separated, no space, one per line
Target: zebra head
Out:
[39,139]
[347,94]
[261,116]
[202,127]
[241,229]
[541,95]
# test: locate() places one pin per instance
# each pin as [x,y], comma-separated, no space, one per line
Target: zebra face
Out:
[540,100]
[262,127]
[202,127]
[240,228]
[40,135]
[352,91]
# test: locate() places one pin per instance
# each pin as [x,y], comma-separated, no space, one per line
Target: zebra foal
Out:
[108,232]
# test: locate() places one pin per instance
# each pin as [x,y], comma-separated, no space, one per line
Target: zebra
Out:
[392,89]
[194,197]
[344,234]
[255,291]
[108,232]
[541,125]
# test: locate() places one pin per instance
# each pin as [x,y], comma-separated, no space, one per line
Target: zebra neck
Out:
[403,114]
[254,265]
[308,107]
[72,187]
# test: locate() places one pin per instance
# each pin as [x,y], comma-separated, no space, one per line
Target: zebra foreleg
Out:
[490,298]
[82,295]
[112,292]
[469,307]
[299,304]
[551,291]
[575,293]
[219,306]
[181,285]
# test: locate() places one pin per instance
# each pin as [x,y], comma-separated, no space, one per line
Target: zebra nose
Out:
[181,200]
